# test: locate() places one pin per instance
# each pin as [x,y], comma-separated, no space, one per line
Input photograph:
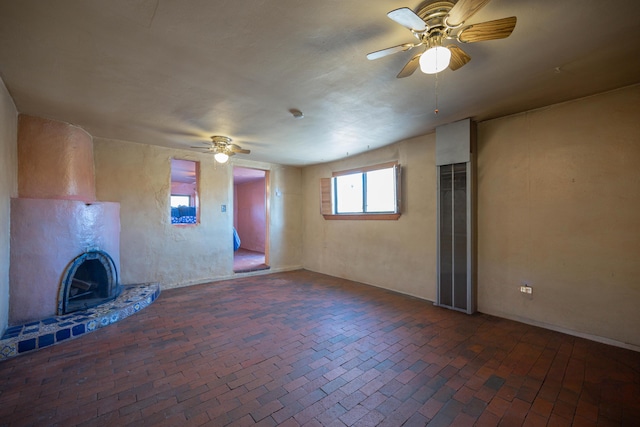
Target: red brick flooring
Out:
[301,348]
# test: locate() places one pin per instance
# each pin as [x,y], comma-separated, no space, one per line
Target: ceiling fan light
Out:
[435,60]
[221,157]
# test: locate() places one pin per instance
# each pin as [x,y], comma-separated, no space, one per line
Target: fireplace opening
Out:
[90,280]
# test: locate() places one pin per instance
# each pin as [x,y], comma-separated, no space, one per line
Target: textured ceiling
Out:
[172,73]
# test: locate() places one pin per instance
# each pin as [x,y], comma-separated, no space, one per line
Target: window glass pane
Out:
[349,193]
[180,201]
[381,191]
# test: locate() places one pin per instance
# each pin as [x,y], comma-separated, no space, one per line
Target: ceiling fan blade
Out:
[458,57]
[490,30]
[410,67]
[408,18]
[390,50]
[239,150]
[463,10]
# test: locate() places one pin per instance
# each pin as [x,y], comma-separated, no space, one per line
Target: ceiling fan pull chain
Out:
[436,111]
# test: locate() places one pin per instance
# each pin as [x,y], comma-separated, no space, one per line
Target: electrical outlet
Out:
[526,289]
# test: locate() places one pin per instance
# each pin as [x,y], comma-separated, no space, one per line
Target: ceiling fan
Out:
[437,21]
[222,148]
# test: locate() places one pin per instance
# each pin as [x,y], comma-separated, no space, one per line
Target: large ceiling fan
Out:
[222,148]
[437,21]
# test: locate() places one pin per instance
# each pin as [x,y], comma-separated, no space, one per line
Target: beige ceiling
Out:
[174,72]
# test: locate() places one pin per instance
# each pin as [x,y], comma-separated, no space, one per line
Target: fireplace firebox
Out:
[90,279]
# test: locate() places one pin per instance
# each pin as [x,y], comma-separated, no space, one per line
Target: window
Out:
[178,200]
[365,193]
[184,192]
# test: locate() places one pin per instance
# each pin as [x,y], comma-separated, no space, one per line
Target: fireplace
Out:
[65,245]
[90,280]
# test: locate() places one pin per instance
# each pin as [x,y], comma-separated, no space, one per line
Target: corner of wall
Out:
[375,252]
[8,189]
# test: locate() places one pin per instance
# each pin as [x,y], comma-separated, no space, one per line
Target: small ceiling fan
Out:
[437,21]
[222,148]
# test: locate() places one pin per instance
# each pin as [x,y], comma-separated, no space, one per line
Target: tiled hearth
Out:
[35,335]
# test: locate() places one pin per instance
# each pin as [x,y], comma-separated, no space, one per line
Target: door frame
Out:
[267,205]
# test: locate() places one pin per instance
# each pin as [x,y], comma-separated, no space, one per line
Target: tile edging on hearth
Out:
[32,336]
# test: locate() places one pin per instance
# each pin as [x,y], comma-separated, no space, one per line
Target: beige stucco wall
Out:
[398,255]
[284,204]
[8,189]
[152,249]
[559,208]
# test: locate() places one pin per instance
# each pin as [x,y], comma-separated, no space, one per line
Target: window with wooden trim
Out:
[372,192]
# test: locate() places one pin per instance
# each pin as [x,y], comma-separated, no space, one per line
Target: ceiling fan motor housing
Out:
[434,15]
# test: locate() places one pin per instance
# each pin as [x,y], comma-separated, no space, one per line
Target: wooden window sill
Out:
[365,217]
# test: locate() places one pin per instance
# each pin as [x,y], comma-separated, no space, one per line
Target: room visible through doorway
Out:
[250,219]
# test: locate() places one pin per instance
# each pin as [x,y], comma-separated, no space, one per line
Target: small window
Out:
[365,193]
[178,200]
[184,192]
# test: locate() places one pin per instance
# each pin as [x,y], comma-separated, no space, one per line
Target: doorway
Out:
[250,219]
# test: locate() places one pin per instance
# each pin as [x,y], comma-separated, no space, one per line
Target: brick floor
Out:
[300,348]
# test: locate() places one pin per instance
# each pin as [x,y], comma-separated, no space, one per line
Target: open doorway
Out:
[250,219]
